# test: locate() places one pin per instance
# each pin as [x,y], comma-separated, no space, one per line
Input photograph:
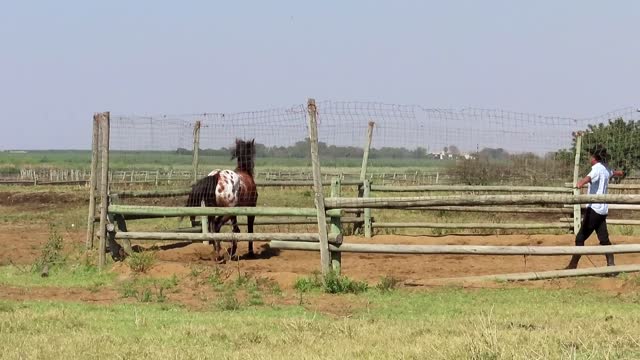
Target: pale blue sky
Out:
[61,61]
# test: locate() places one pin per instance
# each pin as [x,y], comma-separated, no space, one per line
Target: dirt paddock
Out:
[22,246]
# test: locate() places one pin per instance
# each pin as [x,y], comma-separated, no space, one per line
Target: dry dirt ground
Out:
[22,244]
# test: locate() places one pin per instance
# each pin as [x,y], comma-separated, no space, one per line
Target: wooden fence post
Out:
[363,169]
[367,147]
[576,171]
[368,226]
[325,258]
[104,185]
[336,227]
[93,180]
[196,149]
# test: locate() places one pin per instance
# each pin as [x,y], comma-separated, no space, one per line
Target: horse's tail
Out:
[203,190]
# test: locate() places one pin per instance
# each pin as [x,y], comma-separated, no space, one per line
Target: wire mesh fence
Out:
[411,144]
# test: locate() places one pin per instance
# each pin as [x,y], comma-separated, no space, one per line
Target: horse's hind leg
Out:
[250,220]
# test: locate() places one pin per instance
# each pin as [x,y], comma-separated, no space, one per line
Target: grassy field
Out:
[381,323]
[224,312]
[153,160]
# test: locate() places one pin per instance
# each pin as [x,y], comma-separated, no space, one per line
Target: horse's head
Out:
[243,149]
[244,152]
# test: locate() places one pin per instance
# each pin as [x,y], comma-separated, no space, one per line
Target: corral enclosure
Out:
[487,151]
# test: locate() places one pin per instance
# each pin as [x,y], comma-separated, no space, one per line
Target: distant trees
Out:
[300,150]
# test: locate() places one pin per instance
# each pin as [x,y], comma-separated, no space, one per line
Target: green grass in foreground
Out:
[83,276]
[442,324]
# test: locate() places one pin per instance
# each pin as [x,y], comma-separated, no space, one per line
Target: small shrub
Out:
[229,301]
[51,252]
[141,262]
[128,290]
[307,284]
[331,283]
[336,284]
[626,230]
[215,279]
[387,284]
[146,295]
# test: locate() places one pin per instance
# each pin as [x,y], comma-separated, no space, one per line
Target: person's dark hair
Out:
[599,153]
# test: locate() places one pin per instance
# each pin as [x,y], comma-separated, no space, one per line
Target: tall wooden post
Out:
[367,147]
[576,175]
[104,185]
[93,180]
[196,149]
[336,227]
[368,226]
[325,258]
[363,170]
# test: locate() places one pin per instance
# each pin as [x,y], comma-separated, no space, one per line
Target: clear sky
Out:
[61,61]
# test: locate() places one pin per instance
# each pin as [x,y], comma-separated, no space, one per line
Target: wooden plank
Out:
[104,186]
[171,211]
[464,249]
[367,148]
[325,255]
[495,209]
[615,221]
[576,168]
[196,149]
[445,188]
[419,201]
[443,225]
[198,237]
[336,228]
[93,182]
[615,186]
[541,275]
[368,226]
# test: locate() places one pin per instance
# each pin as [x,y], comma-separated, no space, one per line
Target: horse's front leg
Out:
[234,243]
[250,220]
[216,225]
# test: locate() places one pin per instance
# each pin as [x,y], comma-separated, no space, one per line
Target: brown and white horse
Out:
[229,188]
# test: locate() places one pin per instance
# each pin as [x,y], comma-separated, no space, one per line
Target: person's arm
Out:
[583,182]
[617,173]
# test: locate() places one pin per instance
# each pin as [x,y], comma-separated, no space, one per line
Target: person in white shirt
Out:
[595,217]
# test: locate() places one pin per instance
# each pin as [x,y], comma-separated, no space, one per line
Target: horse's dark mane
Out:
[245,153]
[205,190]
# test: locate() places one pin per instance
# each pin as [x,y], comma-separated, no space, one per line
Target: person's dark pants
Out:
[591,222]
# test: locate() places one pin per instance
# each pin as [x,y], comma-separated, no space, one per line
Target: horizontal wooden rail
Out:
[298,221]
[496,209]
[613,207]
[444,225]
[170,211]
[528,189]
[187,191]
[464,249]
[612,221]
[615,186]
[540,275]
[162,236]
[408,202]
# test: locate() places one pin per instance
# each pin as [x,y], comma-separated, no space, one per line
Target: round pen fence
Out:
[535,181]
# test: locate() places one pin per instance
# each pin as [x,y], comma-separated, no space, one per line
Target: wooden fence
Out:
[330,211]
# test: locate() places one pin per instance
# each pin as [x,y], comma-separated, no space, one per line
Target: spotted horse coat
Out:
[228,187]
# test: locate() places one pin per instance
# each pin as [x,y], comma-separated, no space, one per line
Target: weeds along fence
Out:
[510,149]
